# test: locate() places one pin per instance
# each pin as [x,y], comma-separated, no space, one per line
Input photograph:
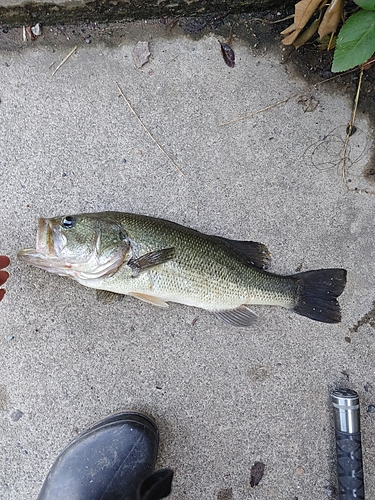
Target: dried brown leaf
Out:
[367,64]
[256,473]
[141,53]
[304,10]
[331,18]
[290,39]
[289,29]
[228,54]
[307,34]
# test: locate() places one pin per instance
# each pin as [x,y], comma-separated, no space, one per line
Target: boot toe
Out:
[105,462]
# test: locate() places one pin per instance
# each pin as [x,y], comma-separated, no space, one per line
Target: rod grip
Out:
[349,466]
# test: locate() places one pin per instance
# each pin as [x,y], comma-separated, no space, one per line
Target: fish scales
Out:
[203,272]
[160,261]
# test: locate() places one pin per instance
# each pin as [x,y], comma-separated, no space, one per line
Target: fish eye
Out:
[69,222]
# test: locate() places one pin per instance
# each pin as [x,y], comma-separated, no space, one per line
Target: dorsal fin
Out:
[255,253]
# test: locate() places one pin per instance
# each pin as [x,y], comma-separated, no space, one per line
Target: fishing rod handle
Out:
[349,466]
[348,445]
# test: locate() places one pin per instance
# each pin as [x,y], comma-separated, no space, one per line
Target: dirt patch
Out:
[367,319]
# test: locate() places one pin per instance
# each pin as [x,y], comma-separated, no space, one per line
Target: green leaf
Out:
[366,4]
[355,41]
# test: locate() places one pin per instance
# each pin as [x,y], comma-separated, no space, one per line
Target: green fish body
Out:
[159,261]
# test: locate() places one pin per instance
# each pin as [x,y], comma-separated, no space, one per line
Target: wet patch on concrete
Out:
[367,319]
[225,494]
[369,172]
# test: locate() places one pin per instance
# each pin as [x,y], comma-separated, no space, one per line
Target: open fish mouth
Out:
[52,254]
[44,255]
[44,238]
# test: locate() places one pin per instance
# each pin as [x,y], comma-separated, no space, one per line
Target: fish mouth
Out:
[44,255]
[44,238]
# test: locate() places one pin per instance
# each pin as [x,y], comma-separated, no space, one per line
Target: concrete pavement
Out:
[223,397]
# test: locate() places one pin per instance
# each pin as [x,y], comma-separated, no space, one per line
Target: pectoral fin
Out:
[149,298]
[241,316]
[151,259]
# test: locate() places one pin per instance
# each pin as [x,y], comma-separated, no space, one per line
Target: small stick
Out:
[330,45]
[259,110]
[354,112]
[148,132]
[280,20]
[229,41]
[65,59]
[350,127]
[286,99]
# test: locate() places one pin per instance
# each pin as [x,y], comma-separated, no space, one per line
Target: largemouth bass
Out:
[159,261]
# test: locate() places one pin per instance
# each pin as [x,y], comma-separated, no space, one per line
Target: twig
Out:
[281,20]
[148,132]
[65,59]
[259,110]
[240,118]
[351,126]
[354,112]
[330,45]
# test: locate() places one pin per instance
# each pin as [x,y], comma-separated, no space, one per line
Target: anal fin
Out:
[241,316]
[149,298]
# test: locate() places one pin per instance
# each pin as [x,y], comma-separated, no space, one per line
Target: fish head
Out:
[85,246]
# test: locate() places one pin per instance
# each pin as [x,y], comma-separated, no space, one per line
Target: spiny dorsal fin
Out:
[255,253]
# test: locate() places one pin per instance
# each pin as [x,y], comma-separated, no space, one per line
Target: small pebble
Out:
[16,415]
[371,409]
[299,471]
[37,31]
[10,337]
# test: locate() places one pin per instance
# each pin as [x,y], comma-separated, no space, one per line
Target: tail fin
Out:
[317,293]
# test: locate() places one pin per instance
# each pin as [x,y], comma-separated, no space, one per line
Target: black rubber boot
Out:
[156,486]
[107,462]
